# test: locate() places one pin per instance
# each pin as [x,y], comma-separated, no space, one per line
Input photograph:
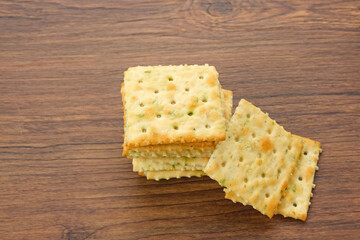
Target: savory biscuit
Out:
[189,150]
[157,175]
[256,159]
[296,197]
[166,164]
[172,104]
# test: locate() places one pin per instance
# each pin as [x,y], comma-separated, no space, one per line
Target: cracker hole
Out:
[267,195]
[207,126]
[237,139]
[246,180]
[147,71]
[279,171]
[204,100]
[158,115]
[187,89]
[194,129]
[253,135]
[173,102]
[305,153]
[241,159]
[190,113]
[263,175]
[170,79]
[269,131]
[274,150]
[156,91]
[143,130]
[248,115]
[294,204]
[201,77]
[140,81]
[176,127]
[223,164]
[300,178]
[141,104]
[259,155]
[289,147]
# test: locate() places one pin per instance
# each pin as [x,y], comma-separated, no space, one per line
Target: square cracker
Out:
[256,159]
[157,175]
[189,150]
[296,198]
[172,104]
[166,164]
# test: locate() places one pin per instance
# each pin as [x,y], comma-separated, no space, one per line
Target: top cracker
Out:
[172,104]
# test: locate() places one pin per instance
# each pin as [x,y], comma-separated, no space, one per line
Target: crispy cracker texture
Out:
[256,159]
[227,103]
[172,104]
[189,150]
[158,175]
[200,149]
[295,201]
[167,164]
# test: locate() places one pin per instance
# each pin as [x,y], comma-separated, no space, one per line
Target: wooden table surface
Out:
[62,175]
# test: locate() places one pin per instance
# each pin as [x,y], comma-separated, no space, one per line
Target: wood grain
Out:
[61,65]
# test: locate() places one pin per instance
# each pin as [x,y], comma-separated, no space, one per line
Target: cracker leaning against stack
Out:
[177,124]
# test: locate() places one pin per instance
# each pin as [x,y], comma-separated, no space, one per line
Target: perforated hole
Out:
[156,91]
[289,147]
[274,150]
[253,135]
[204,100]
[194,129]
[279,171]
[201,77]
[190,113]
[241,159]
[269,131]
[187,89]
[305,153]
[140,81]
[141,104]
[223,164]
[143,130]
[158,115]
[173,102]
[207,126]
[263,175]
[248,115]
[300,178]
[170,79]
[246,180]
[267,195]
[237,139]
[176,127]
[147,71]
[259,155]
[294,204]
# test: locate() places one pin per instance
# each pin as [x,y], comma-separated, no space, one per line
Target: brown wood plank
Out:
[61,65]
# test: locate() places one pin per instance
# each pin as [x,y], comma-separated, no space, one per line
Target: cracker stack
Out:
[173,117]
[177,124]
[262,165]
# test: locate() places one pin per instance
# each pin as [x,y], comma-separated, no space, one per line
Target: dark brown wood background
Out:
[61,65]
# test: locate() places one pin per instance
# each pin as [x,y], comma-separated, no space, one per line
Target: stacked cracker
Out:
[173,118]
[262,165]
